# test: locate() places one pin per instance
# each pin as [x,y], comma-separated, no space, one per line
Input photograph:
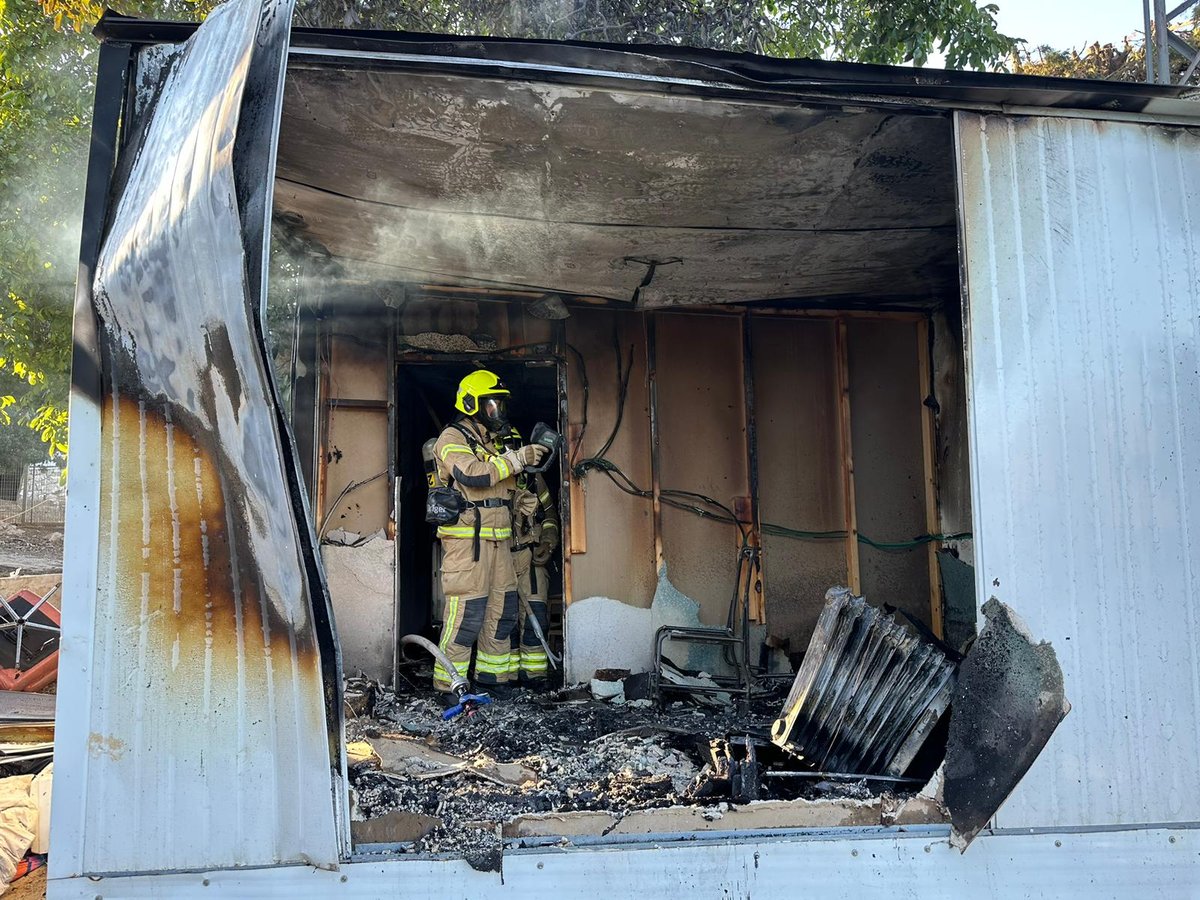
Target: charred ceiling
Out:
[620,194]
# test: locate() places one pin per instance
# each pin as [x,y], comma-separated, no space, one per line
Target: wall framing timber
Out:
[761,409]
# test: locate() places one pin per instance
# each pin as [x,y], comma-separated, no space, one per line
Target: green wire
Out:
[781,531]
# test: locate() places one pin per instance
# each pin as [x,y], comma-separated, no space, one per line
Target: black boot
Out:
[448,699]
[499,691]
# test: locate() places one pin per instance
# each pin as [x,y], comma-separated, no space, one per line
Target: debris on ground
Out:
[30,549]
[24,824]
[861,732]
[26,731]
[457,783]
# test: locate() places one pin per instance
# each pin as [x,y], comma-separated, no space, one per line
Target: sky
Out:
[1070,23]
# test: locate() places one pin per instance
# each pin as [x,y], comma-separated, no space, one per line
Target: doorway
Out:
[425,394]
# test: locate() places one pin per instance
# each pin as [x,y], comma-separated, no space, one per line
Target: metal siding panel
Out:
[206,739]
[834,864]
[1082,308]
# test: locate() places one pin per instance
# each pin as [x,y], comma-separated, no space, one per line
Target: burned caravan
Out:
[862,307]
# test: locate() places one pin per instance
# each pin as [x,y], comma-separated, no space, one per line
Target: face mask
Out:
[493,412]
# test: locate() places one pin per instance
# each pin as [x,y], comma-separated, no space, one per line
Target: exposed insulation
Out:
[702,435]
[799,468]
[885,412]
[361,586]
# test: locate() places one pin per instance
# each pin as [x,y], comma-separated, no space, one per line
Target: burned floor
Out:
[857,739]
[466,784]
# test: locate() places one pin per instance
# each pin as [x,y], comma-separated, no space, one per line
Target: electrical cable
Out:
[348,489]
[918,541]
[583,384]
[623,375]
[689,501]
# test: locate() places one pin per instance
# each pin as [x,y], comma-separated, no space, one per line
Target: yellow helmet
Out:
[475,387]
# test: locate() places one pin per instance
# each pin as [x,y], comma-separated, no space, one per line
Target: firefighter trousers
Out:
[530,664]
[480,611]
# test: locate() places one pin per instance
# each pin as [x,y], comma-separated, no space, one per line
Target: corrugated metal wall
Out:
[195,730]
[1083,270]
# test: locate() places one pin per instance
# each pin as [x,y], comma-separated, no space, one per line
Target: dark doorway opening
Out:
[425,394]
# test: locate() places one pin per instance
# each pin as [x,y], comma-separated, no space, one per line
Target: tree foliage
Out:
[874,31]
[43,135]
[1124,61]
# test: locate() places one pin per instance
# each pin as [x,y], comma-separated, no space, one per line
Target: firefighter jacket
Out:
[480,474]
[528,532]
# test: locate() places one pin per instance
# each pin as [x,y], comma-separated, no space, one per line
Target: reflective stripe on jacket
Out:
[479,473]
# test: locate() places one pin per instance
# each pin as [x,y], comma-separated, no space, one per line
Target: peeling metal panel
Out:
[208,738]
[1082,248]
[1008,701]
[868,693]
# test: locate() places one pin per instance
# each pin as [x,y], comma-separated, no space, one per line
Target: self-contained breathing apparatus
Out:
[445,504]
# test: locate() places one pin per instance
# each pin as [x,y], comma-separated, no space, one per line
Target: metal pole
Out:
[1191,68]
[1163,60]
[651,326]
[1149,45]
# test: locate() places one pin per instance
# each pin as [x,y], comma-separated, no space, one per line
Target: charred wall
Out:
[800,467]
[619,544]
[612,535]
[356,429]
[889,474]
[702,448]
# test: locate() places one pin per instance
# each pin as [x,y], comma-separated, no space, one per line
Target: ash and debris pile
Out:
[534,753]
[447,787]
[864,718]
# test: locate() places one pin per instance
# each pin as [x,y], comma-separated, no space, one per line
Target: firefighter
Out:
[478,578]
[535,538]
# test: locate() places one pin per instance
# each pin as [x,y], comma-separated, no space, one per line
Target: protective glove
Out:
[546,547]
[523,457]
[525,503]
[542,553]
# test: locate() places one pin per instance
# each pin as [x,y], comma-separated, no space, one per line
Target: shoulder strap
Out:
[472,438]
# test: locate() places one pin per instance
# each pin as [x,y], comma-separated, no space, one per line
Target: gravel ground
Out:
[35,551]
[31,887]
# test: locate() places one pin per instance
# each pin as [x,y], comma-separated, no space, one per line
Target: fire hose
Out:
[459,686]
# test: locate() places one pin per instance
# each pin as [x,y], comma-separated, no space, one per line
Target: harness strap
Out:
[491,503]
